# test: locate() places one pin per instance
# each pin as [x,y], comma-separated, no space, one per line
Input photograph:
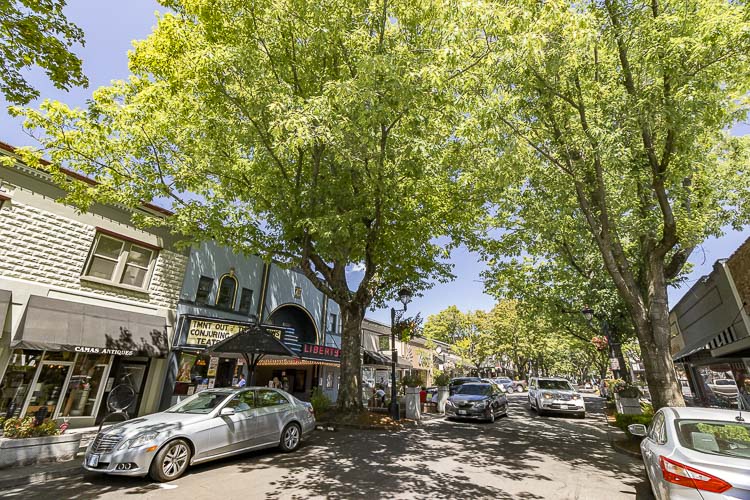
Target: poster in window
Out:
[186,366]
[213,363]
[329,381]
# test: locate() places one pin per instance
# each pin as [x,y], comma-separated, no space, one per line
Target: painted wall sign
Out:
[320,352]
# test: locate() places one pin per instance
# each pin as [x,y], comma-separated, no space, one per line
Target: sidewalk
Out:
[30,474]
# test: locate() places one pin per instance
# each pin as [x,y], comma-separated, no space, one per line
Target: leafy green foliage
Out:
[320,401]
[412,380]
[442,379]
[606,131]
[18,428]
[36,33]
[727,432]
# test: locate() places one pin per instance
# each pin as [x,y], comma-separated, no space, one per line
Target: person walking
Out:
[242,381]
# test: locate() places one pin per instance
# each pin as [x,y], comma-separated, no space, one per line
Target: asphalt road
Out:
[522,456]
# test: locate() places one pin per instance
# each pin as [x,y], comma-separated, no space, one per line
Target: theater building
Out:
[224,293]
[86,302]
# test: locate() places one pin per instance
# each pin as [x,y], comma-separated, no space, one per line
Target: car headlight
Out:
[448,402]
[139,440]
[480,405]
[575,396]
[547,395]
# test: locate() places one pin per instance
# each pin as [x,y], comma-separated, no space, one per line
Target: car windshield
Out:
[203,402]
[555,385]
[502,380]
[728,439]
[459,381]
[474,389]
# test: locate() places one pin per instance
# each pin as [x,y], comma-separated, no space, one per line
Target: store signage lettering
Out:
[210,332]
[103,350]
[315,351]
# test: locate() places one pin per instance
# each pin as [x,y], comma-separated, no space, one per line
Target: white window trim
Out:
[121,263]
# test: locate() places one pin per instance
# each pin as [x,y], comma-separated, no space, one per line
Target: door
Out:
[238,431]
[47,389]
[272,407]
[652,447]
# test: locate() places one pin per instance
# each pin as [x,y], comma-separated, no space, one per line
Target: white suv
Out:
[555,395]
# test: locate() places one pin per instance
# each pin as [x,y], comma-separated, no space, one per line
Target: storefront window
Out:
[45,395]
[80,398]
[59,356]
[723,385]
[15,384]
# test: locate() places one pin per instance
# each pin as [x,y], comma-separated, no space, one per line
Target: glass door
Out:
[47,389]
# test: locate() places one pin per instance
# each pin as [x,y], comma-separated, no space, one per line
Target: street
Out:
[522,456]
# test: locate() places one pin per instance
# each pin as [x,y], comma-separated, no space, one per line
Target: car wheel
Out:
[491,416]
[290,438]
[171,461]
[519,388]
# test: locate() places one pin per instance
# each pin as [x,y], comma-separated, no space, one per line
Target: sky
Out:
[110,28]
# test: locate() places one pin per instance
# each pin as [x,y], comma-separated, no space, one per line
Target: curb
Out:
[26,478]
[625,451]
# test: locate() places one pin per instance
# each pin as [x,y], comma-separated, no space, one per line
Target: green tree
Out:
[447,325]
[616,113]
[316,133]
[36,33]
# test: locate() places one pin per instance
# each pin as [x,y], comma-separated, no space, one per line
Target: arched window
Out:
[227,291]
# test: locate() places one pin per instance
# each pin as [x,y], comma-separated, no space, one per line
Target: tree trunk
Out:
[350,390]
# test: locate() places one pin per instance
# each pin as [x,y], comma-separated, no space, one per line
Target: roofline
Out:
[80,177]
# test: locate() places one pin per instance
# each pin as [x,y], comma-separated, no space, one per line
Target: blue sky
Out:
[109,30]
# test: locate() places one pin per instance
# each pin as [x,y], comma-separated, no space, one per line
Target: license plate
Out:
[462,412]
[93,461]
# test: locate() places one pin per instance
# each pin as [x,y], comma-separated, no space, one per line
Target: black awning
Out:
[5,297]
[374,358]
[62,325]
[253,340]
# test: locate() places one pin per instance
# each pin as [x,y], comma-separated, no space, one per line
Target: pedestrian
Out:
[380,397]
[242,381]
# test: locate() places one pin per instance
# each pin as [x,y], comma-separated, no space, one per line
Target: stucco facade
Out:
[46,251]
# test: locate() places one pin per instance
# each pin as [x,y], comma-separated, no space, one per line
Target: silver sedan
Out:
[210,424]
[696,453]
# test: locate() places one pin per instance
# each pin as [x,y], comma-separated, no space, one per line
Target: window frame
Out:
[234,294]
[250,303]
[208,295]
[121,263]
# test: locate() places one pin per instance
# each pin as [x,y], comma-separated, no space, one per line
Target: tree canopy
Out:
[318,134]
[614,116]
[37,33]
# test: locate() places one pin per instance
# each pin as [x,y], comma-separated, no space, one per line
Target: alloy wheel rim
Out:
[175,460]
[291,437]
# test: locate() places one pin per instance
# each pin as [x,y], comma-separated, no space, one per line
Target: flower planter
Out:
[443,393]
[412,403]
[628,406]
[30,451]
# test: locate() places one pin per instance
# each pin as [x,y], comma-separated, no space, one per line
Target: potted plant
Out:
[627,397]
[442,381]
[412,383]
[26,442]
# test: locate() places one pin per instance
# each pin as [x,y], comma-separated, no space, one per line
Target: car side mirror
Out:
[637,429]
[226,412]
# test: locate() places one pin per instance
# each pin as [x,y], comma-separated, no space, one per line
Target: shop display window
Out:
[15,384]
[724,385]
[83,387]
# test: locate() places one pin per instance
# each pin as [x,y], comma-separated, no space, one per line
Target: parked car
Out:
[555,395]
[724,387]
[211,424]
[505,383]
[696,453]
[477,401]
[454,383]
[519,385]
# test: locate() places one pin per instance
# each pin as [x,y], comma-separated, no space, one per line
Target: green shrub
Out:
[321,403]
[19,428]
[442,380]
[623,421]
[412,380]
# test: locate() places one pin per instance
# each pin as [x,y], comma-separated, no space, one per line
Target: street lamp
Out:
[588,314]
[404,295]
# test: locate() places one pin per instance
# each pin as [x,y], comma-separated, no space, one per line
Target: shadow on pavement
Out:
[438,460]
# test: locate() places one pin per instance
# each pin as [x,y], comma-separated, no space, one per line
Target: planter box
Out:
[412,403]
[30,451]
[628,406]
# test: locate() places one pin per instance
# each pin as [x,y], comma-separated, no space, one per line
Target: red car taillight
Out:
[677,473]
